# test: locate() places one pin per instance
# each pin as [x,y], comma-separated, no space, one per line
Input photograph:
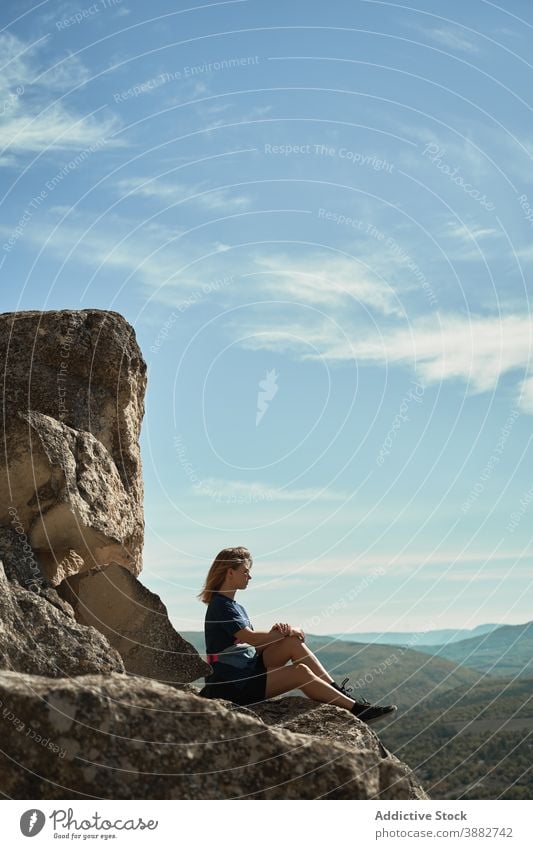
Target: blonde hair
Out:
[228,558]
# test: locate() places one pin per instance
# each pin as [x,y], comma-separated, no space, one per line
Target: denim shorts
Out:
[247,691]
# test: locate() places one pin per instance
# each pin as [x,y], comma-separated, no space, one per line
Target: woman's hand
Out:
[288,631]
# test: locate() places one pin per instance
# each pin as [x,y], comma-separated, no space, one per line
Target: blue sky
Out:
[318,218]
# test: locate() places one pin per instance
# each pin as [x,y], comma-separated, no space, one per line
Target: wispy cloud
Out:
[466,234]
[144,249]
[472,242]
[525,395]
[39,118]
[167,192]
[256,491]
[477,349]
[332,284]
[147,250]
[325,280]
[453,39]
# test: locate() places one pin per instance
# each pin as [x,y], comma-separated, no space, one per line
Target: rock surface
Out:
[135,621]
[71,487]
[38,636]
[329,723]
[74,384]
[127,738]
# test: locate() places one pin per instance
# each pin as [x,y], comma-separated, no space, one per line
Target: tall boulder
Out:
[73,402]
[71,488]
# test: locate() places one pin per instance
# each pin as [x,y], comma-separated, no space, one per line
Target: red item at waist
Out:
[212,658]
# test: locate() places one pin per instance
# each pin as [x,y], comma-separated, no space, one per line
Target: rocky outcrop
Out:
[73,402]
[71,488]
[39,635]
[118,738]
[327,722]
[135,621]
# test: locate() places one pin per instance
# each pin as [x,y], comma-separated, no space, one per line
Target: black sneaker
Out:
[371,713]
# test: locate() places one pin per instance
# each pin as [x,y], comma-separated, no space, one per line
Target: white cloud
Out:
[243,491]
[333,284]
[475,349]
[54,129]
[64,75]
[525,253]
[150,251]
[37,118]
[223,199]
[472,242]
[453,39]
[213,199]
[466,234]
[181,562]
[326,280]
[525,395]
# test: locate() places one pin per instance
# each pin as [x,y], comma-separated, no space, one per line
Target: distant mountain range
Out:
[413,638]
[506,651]
[502,650]
[388,674]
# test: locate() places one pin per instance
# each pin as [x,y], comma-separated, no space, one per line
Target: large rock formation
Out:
[117,738]
[73,401]
[71,482]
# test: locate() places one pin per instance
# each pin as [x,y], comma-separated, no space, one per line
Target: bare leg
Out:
[299,676]
[291,648]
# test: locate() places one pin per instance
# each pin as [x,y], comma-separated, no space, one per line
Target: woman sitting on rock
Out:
[250,666]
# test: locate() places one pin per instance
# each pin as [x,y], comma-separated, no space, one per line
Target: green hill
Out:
[409,638]
[507,651]
[473,743]
[390,673]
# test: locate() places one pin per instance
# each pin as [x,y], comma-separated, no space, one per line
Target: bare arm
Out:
[260,639]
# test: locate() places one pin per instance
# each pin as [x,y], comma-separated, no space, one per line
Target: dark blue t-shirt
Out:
[223,618]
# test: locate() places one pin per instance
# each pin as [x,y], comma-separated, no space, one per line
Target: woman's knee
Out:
[302,673]
[292,641]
